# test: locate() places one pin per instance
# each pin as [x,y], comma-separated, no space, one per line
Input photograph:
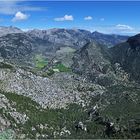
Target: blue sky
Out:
[107,17]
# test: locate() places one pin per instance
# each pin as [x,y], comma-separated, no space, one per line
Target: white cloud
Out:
[115,29]
[102,19]
[65,18]
[20,16]
[13,6]
[124,27]
[88,18]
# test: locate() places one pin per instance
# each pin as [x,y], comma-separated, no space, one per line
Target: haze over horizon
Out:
[112,17]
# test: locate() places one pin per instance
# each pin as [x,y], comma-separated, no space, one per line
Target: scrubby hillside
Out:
[61,84]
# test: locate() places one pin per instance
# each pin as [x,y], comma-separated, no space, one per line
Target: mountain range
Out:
[14,43]
[68,84]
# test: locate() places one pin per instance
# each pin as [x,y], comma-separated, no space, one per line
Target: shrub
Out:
[5,65]
[62,68]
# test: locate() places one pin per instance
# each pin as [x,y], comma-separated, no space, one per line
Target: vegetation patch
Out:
[49,73]
[56,68]
[62,68]
[5,65]
[6,135]
[56,119]
[40,61]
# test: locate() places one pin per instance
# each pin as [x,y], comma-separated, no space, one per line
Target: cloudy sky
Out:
[107,17]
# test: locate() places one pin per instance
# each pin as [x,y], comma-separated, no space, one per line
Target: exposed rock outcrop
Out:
[127,55]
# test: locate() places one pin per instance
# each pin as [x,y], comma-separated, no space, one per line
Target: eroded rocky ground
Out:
[56,90]
[66,105]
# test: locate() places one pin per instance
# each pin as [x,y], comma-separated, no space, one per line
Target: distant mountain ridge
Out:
[9,30]
[66,37]
[19,45]
[75,38]
[109,39]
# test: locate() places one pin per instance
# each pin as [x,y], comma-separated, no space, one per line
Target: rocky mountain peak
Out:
[134,42]
[8,30]
[128,55]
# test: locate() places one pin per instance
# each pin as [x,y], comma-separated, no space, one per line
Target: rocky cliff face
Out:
[93,62]
[16,45]
[128,55]
[74,38]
